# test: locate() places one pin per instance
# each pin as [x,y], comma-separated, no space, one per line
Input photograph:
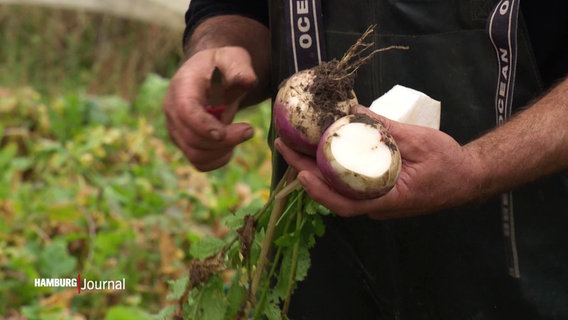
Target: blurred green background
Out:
[90,183]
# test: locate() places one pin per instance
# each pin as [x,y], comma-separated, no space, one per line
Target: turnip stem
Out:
[275,264]
[267,241]
[289,188]
[294,267]
[277,209]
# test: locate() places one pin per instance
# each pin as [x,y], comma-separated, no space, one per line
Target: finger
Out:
[214,162]
[410,139]
[401,132]
[188,95]
[186,137]
[238,78]
[229,113]
[324,194]
[203,160]
[311,179]
[364,110]
[235,134]
[298,161]
[204,156]
[238,74]
[185,106]
[382,208]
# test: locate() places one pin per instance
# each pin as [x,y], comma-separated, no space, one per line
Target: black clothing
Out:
[448,265]
[202,9]
[547,24]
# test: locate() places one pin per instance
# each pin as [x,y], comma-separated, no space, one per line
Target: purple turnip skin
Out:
[292,137]
[297,119]
[349,183]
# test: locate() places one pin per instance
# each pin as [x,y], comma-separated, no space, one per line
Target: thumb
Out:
[402,133]
[238,72]
[388,123]
[233,107]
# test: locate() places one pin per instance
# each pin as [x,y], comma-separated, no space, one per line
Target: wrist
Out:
[480,175]
[226,31]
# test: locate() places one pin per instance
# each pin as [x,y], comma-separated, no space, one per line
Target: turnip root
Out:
[358,157]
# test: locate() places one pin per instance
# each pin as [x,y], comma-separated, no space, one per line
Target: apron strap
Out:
[502,29]
[304,34]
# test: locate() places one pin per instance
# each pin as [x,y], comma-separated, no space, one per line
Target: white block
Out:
[409,106]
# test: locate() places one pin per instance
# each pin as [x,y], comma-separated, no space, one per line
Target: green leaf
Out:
[303,264]
[207,301]
[7,154]
[288,239]
[108,243]
[311,207]
[127,313]
[107,110]
[177,288]
[22,164]
[314,227]
[272,311]
[63,212]
[214,302]
[151,94]
[283,283]
[235,221]
[55,261]
[236,295]
[206,247]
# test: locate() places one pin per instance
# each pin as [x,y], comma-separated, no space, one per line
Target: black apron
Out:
[453,264]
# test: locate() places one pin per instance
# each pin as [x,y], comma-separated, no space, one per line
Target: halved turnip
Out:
[358,157]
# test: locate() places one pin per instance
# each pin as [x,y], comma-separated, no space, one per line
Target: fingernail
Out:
[248,133]
[302,178]
[356,109]
[215,134]
[277,144]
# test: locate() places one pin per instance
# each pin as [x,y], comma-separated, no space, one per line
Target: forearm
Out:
[234,30]
[533,144]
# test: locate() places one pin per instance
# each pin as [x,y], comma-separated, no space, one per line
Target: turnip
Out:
[311,100]
[308,102]
[358,157]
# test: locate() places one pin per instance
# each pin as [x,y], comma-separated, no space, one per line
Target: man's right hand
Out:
[207,142]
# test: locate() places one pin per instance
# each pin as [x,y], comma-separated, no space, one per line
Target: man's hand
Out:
[225,42]
[436,173]
[207,142]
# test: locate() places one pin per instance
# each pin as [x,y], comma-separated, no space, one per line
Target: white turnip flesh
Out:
[358,157]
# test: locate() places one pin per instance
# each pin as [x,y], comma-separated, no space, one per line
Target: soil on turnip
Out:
[363,118]
[386,137]
[333,84]
[334,80]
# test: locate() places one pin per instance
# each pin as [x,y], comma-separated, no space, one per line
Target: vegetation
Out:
[56,51]
[89,182]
